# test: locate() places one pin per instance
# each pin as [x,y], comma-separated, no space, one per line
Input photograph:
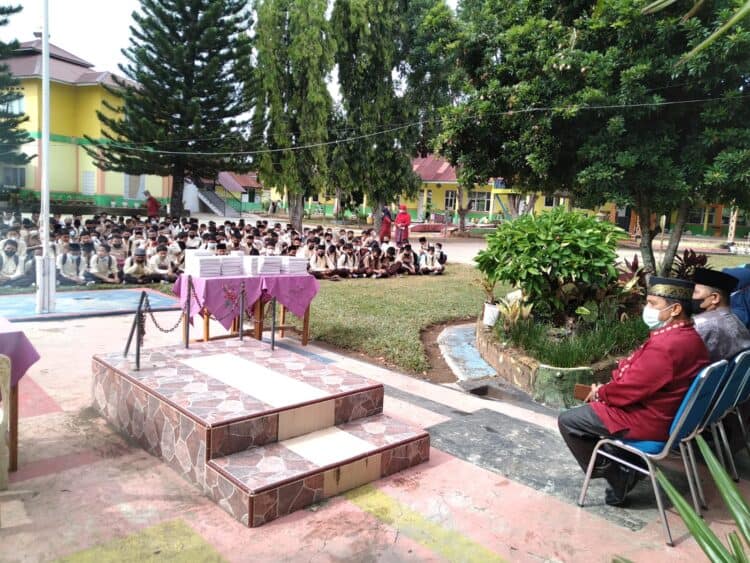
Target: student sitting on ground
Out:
[428,263]
[71,266]
[12,266]
[375,265]
[320,266]
[102,267]
[136,269]
[408,266]
[162,266]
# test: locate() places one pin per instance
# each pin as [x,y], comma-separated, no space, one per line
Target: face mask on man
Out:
[651,316]
[9,252]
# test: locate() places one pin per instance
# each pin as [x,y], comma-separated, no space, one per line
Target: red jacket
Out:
[152,206]
[647,388]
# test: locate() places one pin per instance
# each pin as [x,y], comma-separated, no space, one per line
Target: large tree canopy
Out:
[12,137]
[369,36]
[589,99]
[293,109]
[181,99]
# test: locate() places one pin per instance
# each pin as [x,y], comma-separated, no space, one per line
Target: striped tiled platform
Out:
[262,432]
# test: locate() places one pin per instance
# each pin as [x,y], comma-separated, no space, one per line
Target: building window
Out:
[480,201]
[134,186]
[14,176]
[553,201]
[450,200]
[15,107]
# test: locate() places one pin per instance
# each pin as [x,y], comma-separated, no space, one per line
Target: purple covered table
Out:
[220,298]
[22,354]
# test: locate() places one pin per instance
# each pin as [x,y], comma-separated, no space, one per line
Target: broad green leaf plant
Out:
[544,255]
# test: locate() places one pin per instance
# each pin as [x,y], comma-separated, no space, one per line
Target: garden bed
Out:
[549,385]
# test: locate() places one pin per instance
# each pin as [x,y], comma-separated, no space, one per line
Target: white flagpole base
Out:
[46,279]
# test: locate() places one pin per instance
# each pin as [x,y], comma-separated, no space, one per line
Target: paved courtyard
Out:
[499,484]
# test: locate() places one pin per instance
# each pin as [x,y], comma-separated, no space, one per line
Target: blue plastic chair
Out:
[742,397]
[736,380]
[687,420]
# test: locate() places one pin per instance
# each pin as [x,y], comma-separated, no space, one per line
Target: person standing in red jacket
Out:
[646,389]
[385,225]
[403,220]
[152,206]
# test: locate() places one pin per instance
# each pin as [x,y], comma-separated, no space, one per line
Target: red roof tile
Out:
[432,168]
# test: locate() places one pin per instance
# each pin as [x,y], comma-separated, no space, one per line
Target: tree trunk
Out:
[296,210]
[513,205]
[647,249]
[377,214]
[178,184]
[674,239]
[462,212]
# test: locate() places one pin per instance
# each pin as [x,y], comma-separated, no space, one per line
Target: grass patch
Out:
[719,261]
[588,346]
[384,318]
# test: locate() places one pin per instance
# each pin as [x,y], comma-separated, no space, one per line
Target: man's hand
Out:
[594,388]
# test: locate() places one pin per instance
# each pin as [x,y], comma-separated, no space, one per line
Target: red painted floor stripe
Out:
[33,400]
[43,467]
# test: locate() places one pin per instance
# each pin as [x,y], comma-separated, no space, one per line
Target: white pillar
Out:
[45,264]
[732,225]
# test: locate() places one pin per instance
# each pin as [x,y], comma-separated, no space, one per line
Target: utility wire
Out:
[128,147]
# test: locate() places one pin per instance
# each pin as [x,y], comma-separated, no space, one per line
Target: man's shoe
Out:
[616,494]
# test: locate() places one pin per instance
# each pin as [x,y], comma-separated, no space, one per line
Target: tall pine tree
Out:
[294,59]
[370,49]
[12,137]
[182,100]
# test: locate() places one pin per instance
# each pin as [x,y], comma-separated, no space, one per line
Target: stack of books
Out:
[250,265]
[269,265]
[294,265]
[201,264]
[231,265]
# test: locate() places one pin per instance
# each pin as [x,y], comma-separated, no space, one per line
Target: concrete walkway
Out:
[500,484]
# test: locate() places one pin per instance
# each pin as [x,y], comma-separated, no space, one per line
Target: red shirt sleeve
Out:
[651,370]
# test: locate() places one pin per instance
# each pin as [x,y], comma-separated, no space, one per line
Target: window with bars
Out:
[14,176]
[480,201]
[450,200]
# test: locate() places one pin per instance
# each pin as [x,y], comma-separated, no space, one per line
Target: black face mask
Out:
[10,253]
[697,306]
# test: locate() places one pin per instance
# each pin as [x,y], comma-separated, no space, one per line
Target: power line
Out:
[414,123]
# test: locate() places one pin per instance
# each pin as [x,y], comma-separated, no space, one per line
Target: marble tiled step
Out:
[238,394]
[263,483]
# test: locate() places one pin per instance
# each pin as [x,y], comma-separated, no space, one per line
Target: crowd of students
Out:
[114,250]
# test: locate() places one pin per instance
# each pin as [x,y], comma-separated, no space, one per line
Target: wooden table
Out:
[22,354]
[219,298]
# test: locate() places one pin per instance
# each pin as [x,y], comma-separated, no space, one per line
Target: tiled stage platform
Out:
[263,433]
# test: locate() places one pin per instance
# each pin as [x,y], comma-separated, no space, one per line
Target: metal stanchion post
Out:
[273,323]
[187,311]
[242,312]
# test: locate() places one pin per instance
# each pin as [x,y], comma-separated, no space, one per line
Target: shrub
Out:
[590,344]
[560,260]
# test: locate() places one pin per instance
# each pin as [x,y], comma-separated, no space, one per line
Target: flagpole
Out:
[45,264]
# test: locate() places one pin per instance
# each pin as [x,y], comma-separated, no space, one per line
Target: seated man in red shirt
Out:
[646,389]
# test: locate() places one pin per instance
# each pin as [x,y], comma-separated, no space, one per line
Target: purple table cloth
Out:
[15,345]
[221,296]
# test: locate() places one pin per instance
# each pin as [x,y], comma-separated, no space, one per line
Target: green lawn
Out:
[717,262]
[383,318]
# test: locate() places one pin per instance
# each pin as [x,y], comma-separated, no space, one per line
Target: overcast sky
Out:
[94,30]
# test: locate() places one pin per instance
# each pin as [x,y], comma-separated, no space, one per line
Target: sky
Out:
[95,30]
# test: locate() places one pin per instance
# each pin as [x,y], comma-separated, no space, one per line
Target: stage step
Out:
[263,483]
[216,398]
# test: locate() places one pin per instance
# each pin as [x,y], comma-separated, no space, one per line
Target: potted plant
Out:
[491,310]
